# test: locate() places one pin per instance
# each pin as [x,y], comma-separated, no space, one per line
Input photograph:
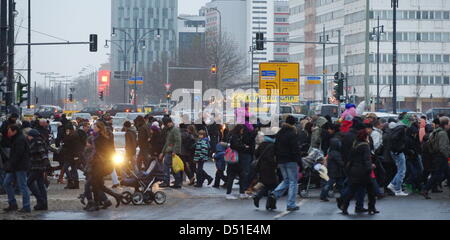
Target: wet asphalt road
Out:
[209,203]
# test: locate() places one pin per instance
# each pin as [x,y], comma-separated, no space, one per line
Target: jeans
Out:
[72,174]
[201,174]
[36,184]
[339,184]
[415,173]
[21,180]
[290,175]
[400,162]
[167,171]
[245,161]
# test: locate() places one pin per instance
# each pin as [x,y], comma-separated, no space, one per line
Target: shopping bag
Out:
[231,156]
[177,164]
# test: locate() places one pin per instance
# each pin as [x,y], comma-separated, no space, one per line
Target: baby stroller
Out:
[311,172]
[143,182]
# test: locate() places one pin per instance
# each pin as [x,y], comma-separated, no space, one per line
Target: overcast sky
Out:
[70,20]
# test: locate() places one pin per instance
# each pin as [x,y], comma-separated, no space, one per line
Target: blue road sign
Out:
[137,79]
[269,73]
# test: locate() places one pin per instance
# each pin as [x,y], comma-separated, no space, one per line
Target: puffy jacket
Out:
[219,156]
[286,146]
[38,154]
[143,136]
[19,158]
[157,142]
[202,150]
[359,166]
[335,163]
[440,143]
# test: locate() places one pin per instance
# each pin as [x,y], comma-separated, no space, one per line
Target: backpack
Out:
[396,139]
[231,156]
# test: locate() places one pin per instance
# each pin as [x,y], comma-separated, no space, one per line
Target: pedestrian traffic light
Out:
[100,95]
[22,89]
[214,69]
[93,43]
[259,41]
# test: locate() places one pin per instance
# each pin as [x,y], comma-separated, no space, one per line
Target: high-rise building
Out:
[423,47]
[147,16]
[191,34]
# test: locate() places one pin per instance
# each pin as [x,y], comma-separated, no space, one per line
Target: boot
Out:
[117,197]
[10,208]
[256,201]
[425,194]
[373,211]
[69,184]
[106,204]
[91,206]
[75,185]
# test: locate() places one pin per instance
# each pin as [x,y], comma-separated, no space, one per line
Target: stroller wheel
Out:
[126,197]
[138,198]
[148,197]
[160,197]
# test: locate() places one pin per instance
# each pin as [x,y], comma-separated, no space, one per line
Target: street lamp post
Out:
[377,31]
[324,38]
[136,42]
[125,58]
[394,5]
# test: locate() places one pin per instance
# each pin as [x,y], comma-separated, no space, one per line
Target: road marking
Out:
[282,214]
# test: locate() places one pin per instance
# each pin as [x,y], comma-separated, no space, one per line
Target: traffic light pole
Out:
[29,56]
[3,35]
[394,4]
[10,77]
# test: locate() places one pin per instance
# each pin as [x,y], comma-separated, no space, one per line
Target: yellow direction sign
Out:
[138,82]
[281,76]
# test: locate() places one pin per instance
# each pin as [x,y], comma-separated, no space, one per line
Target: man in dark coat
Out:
[287,152]
[266,168]
[16,168]
[335,166]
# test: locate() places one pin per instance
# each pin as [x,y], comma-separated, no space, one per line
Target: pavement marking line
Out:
[282,214]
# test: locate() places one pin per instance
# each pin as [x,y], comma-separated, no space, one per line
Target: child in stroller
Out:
[143,182]
[313,171]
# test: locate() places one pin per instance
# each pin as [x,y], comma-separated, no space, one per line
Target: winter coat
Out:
[38,154]
[173,141]
[131,141]
[335,162]
[377,136]
[219,156]
[440,143]
[359,167]
[202,150]
[187,143]
[286,146]
[157,142]
[143,137]
[249,139]
[267,164]
[19,157]
[102,159]
[316,135]
[237,144]
[71,147]
[45,133]
[347,140]
[6,142]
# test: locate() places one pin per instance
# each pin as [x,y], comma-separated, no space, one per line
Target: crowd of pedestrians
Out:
[354,157]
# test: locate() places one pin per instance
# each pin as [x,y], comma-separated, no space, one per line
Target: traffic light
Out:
[100,95]
[169,96]
[259,41]
[93,43]
[22,89]
[339,89]
[71,97]
[214,69]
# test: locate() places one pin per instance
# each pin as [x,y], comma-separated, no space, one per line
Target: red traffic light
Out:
[214,69]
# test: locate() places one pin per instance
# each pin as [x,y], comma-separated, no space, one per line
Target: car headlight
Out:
[118,159]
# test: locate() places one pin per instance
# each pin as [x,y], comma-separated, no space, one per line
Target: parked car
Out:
[81,115]
[93,111]
[49,111]
[121,107]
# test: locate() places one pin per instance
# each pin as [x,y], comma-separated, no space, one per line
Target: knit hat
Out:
[350,105]
[34,133]
[291,120]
